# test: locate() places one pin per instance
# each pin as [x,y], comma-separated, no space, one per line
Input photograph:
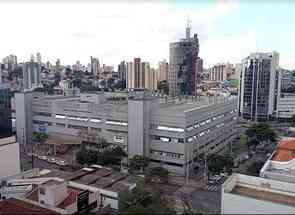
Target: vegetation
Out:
[100,153]
[262,132]
[138,162]
[157,174]
[293,121]
[144,201]
[220,163]
[254,168]
[39,137]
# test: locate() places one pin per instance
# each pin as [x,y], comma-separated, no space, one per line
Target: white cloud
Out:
[111,31]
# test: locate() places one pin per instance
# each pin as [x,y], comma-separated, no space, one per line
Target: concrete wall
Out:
[9,159]
[135,127]
[236,204]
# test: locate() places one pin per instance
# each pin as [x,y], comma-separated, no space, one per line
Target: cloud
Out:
[112,31]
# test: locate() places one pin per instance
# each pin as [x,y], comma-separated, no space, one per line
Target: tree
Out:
[158,174]
[219,163]
[144,201]
[254,168]
[39,137]
[138,162]
[262,132]
[293,120]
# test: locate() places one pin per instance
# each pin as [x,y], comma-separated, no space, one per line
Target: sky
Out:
[116,30]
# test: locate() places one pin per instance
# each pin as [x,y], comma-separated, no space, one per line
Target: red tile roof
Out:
[285,151]
[14,206]
[71,198]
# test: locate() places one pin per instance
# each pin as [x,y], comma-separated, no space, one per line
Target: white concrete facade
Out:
[9,157]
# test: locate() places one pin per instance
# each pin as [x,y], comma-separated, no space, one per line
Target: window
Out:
[58,116]
[60,125]
[112,122]
[95,120]
[164,128]
[42,190]
[77,118]
[119,139]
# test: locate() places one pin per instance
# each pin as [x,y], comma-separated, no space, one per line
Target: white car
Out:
[51,160]
[42,157]
[61,163]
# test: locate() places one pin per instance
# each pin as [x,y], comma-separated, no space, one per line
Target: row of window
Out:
[207,131]
[169,139]
[94,120]
[207,121]
[167,154]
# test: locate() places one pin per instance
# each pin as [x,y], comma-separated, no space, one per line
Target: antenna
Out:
[188,28]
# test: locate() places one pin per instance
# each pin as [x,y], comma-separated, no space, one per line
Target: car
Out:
[42,157]
[51,160]
[61,162]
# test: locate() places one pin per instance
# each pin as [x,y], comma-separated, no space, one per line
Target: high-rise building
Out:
[32,58]
[95,66]
[57,64]
[182,76]
[38,58]
[220,72]
[31,75]
[139,75]
[9,63]
[5,111]
[258,86]
[122,70]
[163,70]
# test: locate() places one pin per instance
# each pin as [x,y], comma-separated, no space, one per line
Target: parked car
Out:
[43,157]
[61,162]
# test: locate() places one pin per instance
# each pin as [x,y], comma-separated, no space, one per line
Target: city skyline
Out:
[116,31]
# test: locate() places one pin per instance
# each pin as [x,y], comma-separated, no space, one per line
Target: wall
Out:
[9,159]
[236,204]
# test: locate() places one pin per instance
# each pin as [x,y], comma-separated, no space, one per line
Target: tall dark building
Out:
[122,70]
[5,111]
[184,65]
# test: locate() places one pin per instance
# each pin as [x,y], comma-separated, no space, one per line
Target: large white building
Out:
[258,86]
[169,131]
[9,157]
[243,194]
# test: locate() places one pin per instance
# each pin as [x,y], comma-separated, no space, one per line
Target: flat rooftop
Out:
[7,140]
[186,105]
[264,195]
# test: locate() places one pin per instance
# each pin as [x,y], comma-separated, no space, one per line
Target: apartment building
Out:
[172,132]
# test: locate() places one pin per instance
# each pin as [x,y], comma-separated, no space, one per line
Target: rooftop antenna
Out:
[188,28]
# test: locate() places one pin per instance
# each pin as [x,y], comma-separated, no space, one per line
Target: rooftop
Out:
[285,150]
[15,206]
[7,140]
[187,105]
[264,195]
[259,188]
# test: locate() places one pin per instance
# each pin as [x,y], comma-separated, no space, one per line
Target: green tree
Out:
[39,137]
[262,132]
[219,163]
[293,120]
[138,162]
[254,168]
[144,201]
[158,174]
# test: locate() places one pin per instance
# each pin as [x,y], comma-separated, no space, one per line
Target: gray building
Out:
[170,132]
[184,66]
[5,111]
[31,75]
[122,70]
[259,86]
